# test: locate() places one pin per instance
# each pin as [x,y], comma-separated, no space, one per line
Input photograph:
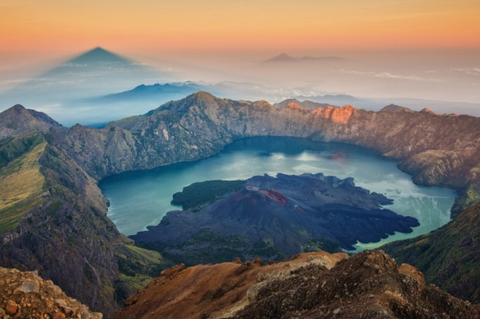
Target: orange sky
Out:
[226,25]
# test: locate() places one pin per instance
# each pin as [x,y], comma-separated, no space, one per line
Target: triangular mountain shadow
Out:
[94,73]
[97,62]
[100,55]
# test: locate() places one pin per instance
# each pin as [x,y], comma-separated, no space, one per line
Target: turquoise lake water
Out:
[142,198]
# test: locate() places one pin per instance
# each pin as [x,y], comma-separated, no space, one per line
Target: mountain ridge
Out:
[437,150]
[313,285]
[18,119]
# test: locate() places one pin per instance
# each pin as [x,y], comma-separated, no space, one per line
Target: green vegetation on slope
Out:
[322,244]
[137,266]
[466,199]
[196,195]
[449,257]
[206,246]
[14,147]
[20,179]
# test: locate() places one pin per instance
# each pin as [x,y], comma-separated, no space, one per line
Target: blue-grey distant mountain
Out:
[156,92]
[146,96]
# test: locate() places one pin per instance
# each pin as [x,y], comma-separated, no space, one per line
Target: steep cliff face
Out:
[436,149]
[67,212]
[63,230]
[449,256]
[315,285]
[53,220]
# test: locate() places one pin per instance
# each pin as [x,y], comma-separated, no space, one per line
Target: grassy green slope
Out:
[449,257]
[21,182]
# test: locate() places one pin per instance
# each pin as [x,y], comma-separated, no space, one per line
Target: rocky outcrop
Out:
[314,285]
[213,291]
[449,256]
[26,295]
[17,120]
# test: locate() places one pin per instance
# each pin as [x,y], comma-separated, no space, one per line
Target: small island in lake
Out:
[271,218]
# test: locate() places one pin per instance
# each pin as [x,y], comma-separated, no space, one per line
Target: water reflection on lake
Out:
[142,198]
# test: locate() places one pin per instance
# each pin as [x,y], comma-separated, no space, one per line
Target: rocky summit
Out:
[26,295]
[313,285]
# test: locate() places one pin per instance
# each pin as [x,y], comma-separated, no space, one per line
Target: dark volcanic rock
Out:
[368,285]
[286,212]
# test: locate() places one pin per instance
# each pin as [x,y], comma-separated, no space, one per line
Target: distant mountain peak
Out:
[99,54]
[283,57]
[200,99]
[17,107]
[202,96]
[427,110]
[394,108]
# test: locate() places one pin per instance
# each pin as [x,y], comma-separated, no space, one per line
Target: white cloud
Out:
[471,71]
[17,81]
[388,75]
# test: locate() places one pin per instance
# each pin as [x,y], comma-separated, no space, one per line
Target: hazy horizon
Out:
[392,50]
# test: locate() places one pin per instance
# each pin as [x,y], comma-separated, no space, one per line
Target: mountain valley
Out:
[65,210]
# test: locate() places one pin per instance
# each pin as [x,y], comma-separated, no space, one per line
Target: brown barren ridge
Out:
[311,285]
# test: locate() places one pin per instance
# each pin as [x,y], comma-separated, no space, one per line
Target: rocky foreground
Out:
[312,285]
[26,295]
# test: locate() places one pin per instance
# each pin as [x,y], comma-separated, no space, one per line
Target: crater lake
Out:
[142,198]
